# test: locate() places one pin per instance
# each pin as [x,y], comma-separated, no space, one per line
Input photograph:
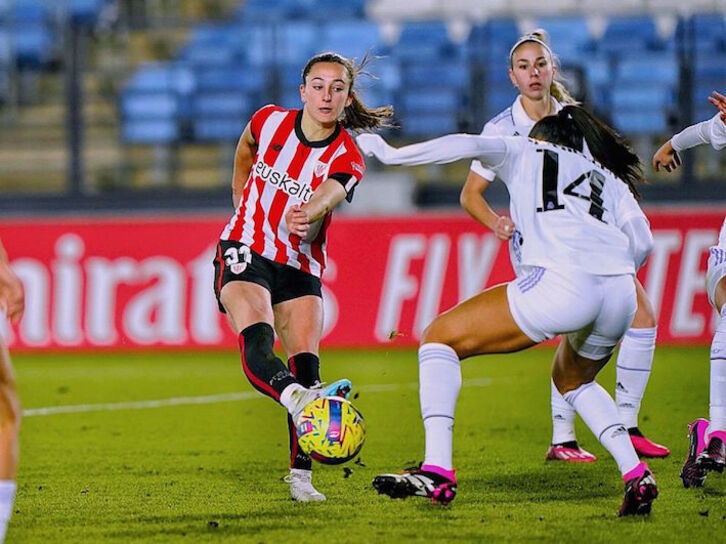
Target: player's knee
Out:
[257,342]
[10,412]
[644,318]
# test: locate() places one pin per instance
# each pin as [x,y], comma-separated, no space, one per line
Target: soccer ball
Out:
[331,430]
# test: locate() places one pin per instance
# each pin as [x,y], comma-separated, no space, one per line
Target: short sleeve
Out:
[476,166]
[259,117]
[348,169]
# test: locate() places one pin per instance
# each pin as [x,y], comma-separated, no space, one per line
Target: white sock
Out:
[598,411]
[563,418]
[635,360]
[717,408]
[440,381]
[287,399]
[7,497]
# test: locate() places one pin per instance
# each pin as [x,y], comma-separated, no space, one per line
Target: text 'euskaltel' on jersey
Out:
[281,180]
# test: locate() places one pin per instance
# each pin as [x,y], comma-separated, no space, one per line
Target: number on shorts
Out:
[235,255]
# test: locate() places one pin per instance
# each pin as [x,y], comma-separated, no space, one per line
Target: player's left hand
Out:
[12,296]
[667,157]
[297,221]
[719,100]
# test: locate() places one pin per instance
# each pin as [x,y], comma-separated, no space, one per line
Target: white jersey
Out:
[571,208]
[513,121]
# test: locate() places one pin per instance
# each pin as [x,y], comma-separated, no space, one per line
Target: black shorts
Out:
[234,261]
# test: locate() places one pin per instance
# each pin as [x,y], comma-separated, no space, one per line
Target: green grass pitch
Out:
[213,472]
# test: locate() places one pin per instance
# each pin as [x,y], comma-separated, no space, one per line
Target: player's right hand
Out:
[504,228]
[667,157]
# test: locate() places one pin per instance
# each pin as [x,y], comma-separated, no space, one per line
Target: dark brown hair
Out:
[573,124]
[357,116]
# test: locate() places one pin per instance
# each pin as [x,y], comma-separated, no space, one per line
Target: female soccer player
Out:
[533,71]
[292,168]
[572,185]
[12,303]
[707,449]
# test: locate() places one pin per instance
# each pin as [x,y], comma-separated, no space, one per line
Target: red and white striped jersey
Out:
[286,170]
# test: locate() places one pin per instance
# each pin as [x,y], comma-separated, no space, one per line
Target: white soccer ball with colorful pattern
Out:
[331,430]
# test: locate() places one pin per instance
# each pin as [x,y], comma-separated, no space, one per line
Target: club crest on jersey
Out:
[320,168]
[282,181]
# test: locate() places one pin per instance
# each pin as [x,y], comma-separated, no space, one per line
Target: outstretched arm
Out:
[711,132]
[492,150]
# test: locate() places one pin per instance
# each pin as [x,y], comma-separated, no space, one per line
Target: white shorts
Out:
[594,311]
[716,265]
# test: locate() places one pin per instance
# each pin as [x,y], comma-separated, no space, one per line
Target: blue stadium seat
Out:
[296,42]
[629,35]
[642,96]
[221,105]
[33,45]
[708,31]
[490,42]
[423,74]
[218,129]
[162,77]
[158,131]
[711,65]
[440,100]
[236,77]
[208,54]
[149,105]
[430,124]
[351,38]
[649,68]
[640,122]
[569,36]
[424,41]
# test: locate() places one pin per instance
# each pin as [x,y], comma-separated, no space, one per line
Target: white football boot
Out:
[301,486]
[302,397]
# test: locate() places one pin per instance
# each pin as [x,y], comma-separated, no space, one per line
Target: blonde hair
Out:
[557,89]
[357,116]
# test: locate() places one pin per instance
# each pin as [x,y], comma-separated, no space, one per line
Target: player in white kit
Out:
[572,185]
[707,448]
[533,71]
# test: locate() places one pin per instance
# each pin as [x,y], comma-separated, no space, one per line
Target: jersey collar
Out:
[520,117]
[318,143]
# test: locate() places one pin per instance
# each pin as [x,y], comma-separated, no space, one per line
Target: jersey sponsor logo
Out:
[282,181]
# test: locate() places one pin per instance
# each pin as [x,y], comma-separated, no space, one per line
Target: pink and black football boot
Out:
[645,447]
[640,492]
[570,452]
[692,473]
[429,481]
[714,456]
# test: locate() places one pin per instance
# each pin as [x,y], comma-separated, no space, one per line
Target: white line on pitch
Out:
[207,399]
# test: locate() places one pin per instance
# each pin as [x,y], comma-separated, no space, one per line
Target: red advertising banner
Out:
[135,282]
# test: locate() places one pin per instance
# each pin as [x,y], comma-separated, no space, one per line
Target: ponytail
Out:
[357,116]
[573,124]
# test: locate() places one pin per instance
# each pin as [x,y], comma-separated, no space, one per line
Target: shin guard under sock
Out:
[265,371]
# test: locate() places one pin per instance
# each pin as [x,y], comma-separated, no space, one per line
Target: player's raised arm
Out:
[450,148]
[712,131]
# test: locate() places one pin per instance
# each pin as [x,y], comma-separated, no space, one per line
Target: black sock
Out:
[306,368]
[263,369]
